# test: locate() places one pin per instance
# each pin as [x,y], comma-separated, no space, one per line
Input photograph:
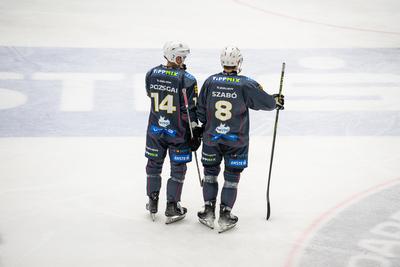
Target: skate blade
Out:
[224,228]
[174,219]
[209,224]
[152,215]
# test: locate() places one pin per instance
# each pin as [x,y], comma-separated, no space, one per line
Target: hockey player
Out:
[223,109]
[168,128]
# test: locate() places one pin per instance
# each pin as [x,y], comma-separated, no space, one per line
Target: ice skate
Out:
[152,205]
[226,219]
[174,212]
[207,216]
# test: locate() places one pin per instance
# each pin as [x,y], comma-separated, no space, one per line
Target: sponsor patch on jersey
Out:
[225,88]
[163,122]
[222,129]
[151,154]
[226,79]
[166,72]
[208,158]
[181,158]
[241,163]
[163,81]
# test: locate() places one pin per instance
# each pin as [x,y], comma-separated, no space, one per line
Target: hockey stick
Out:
[191,133]
[273,144]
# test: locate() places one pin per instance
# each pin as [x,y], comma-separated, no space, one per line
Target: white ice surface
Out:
[79,201]
[203,24]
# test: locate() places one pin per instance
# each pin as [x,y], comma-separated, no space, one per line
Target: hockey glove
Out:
[197,136]
[280,101]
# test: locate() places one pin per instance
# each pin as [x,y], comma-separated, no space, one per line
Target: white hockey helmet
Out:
[173,49]
[231,57]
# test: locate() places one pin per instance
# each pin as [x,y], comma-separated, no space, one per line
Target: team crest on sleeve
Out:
[259,86]
[189,76]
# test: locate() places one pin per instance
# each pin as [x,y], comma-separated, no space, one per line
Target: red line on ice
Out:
[269,12]
[314,225]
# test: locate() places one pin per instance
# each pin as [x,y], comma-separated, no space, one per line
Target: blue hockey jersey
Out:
[168,118]
[223,107]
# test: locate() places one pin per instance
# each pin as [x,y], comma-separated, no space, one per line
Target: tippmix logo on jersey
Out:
[166,72]
[163,122]
[226,79]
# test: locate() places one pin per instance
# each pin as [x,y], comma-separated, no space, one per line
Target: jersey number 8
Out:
[223,110]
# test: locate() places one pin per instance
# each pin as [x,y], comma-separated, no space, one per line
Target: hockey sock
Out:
[175,183]
[153,170]
[229,191]
[210,187]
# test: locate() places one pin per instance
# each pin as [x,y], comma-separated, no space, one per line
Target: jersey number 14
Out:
[166,104]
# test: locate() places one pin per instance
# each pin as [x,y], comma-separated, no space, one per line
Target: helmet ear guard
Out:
[239,67]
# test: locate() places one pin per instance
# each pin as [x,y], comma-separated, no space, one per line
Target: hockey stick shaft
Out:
[185,99]
[273,144]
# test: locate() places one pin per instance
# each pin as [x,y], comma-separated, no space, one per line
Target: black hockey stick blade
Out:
[268,211]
